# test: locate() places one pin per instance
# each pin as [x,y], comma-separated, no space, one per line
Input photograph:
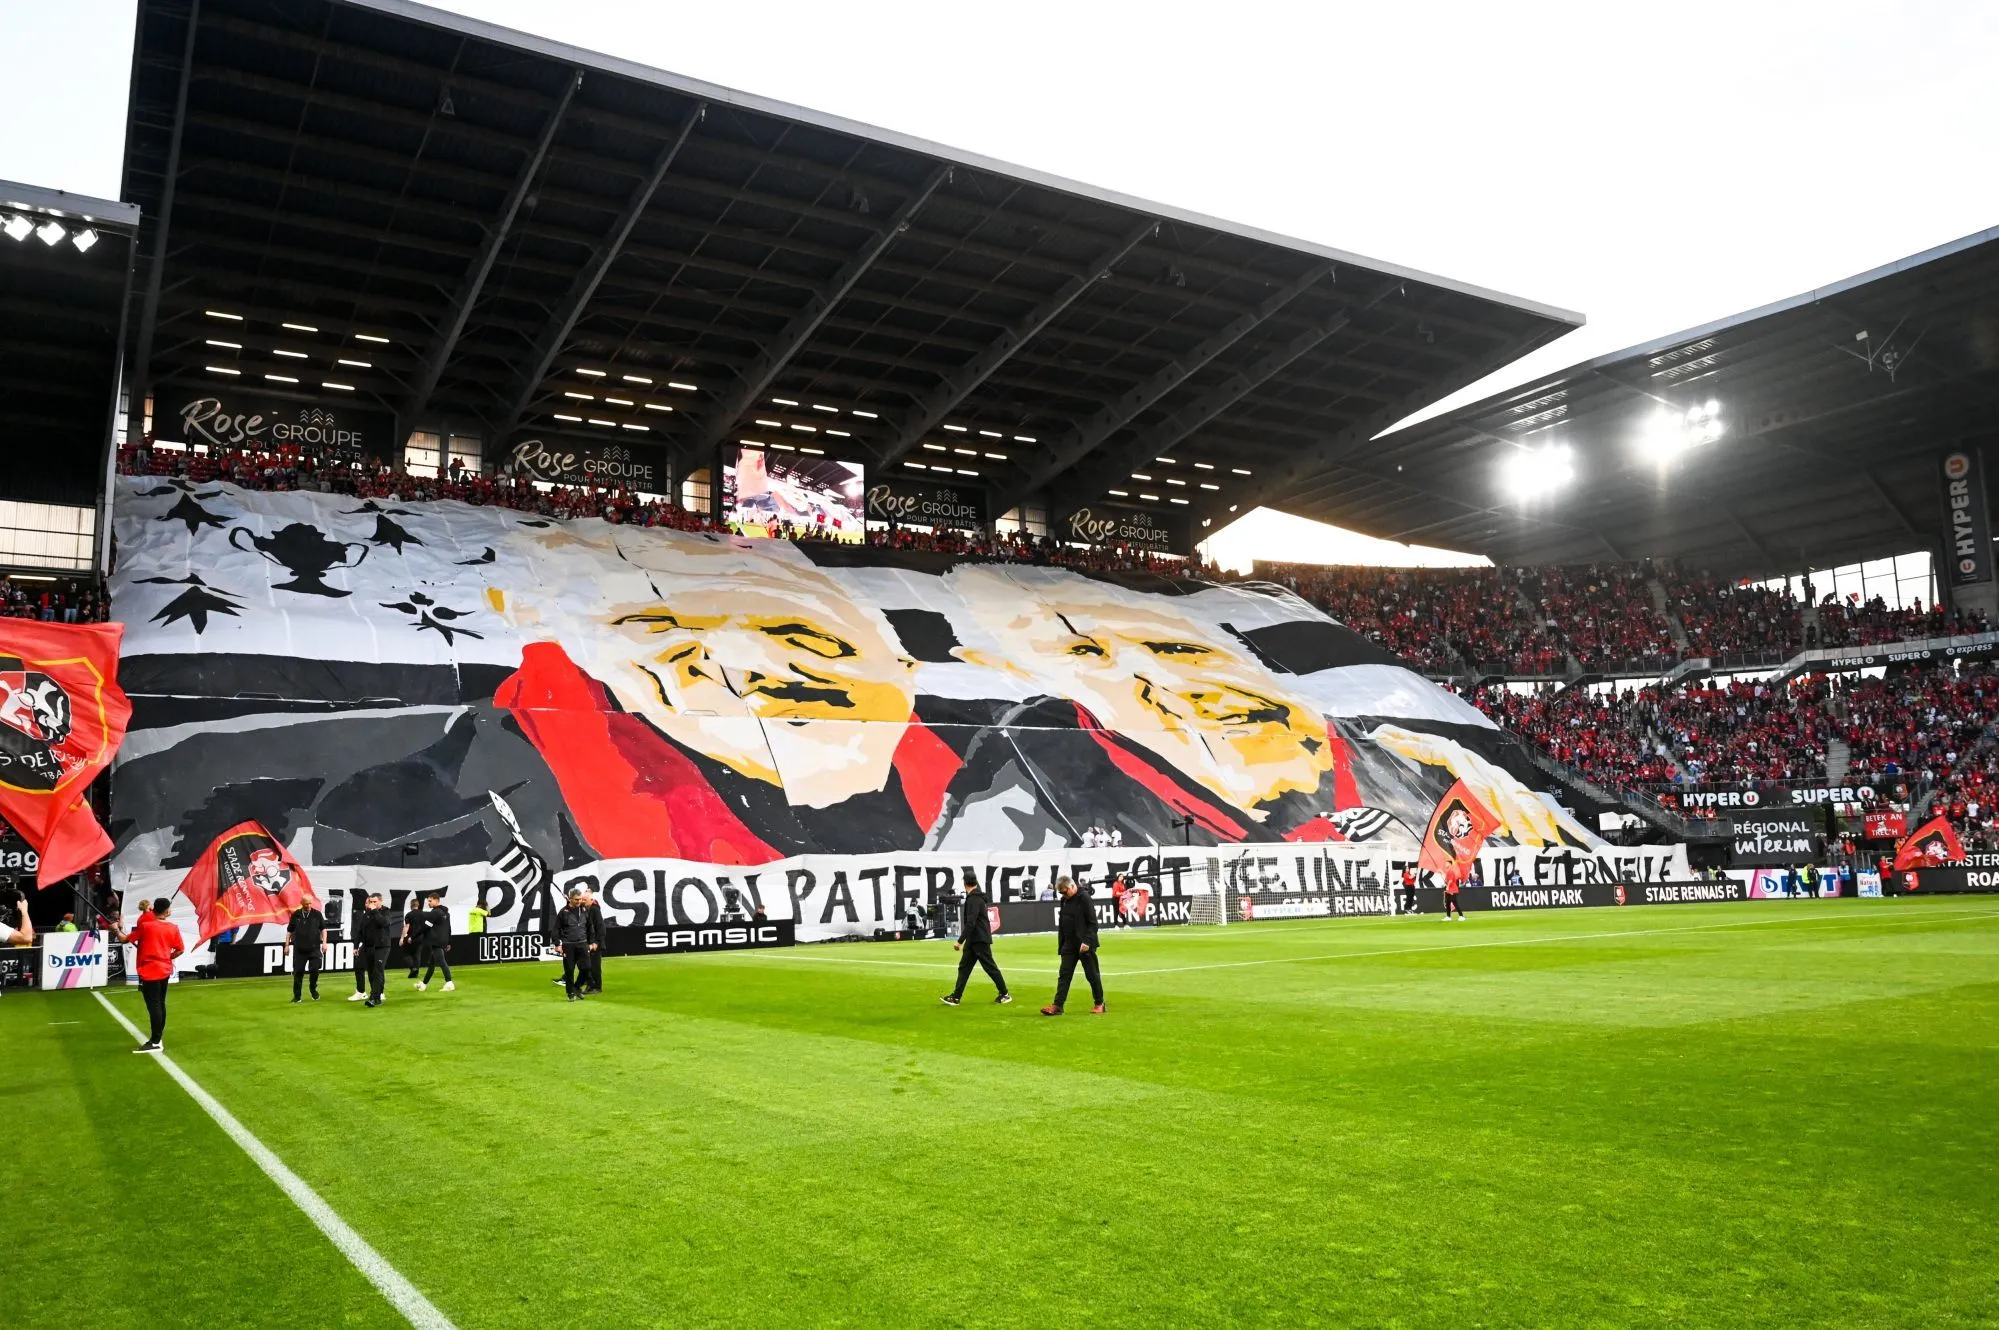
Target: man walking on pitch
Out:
[373,931]
[975,944]
[1076,940]
[155,943]
[572,932]
[595,955]
[1453,880]
[436,949]
[305,938]
[415,923]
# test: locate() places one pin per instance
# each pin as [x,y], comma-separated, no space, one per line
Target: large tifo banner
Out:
[356,675]
[825,897]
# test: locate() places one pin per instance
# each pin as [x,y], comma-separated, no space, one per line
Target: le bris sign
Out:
[228,418]
[932,503]
[1115,524]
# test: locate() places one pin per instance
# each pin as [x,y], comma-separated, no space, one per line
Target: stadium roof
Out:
[1833,407]
[65,264]
[509,212]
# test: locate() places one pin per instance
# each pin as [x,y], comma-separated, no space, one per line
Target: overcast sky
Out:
[1653,167]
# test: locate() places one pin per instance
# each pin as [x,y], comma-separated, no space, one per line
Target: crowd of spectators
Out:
[53,599]
[1444,620]
[1603,734]
[1603,614]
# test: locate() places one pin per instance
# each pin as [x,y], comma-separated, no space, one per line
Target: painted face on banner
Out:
[742,656]
[1177,687]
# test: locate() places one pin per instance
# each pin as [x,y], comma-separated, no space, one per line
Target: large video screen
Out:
[771,493]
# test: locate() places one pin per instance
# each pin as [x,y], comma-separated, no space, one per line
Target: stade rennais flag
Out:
[246,876]
[62,716]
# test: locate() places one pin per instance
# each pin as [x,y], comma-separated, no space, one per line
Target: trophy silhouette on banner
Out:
[304,552]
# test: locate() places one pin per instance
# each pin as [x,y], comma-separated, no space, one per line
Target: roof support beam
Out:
[563,318]
[756,377]
[1888,500]
[1338,447]
[1168,432]
[140,380]
[1080,442]
[446,339]
[930,410]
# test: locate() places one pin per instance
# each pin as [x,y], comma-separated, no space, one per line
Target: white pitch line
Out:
[402,1294]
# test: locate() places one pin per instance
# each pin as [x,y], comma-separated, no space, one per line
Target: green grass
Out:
[1750,1115]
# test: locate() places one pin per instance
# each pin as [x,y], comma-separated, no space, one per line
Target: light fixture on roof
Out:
[226,346]
[291,355]
[683,387]
[1122,494]
[963,472]
[1177,500]
[355,364]
[17,227]
[619,401]
[281,378]
[1204,466]
[370,337]
[50,233]
[997,457]
[935,448]
[991,434]
[816,452]
[1140,475]
[607,424]
[1023,438]
[1232,507]
[867,415]
[1153,498]
[1238,470]
[223,369]
[337,387]
[1207,486]
[593,373]
[636,378]
[783,447]
[784,401]
[658,406]
[84,239]
[218,314]
[916,466]
[1164,461]
[966,452]
[1668,433]
[957,429]
[1171,480]
[840,433]
[806,429]
[579,397]
[643,429]
[574,420]
[299,327]
[829,410]
[771,424]
[1530,474]
[1207,521]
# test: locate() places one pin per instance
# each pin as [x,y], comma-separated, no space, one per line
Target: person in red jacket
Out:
[157,943]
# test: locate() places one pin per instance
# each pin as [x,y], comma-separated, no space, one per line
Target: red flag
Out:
[246,877]
[1456,833]
[62,716]
[1931,844]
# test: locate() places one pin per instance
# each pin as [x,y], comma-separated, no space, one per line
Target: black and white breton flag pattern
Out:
[517,863]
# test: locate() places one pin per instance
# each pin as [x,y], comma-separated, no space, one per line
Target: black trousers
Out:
[1451,903]
[980,954]
[376,962]
[596,961]
[575,967]
[1409,900]
[1090,972]
[154,991]
[306,961]
[435,957]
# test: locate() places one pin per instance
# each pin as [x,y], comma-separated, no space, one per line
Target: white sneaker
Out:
[357,996]
[419,985]
[449,986]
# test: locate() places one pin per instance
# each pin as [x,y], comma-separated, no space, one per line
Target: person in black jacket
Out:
[436,949]
[572,933]
[373,931]
[305,938]
[1076,940]
[975,944]
[415,925]
[596,953]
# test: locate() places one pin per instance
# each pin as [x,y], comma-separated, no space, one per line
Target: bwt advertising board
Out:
[1134,528]
[230,418]
[933,503]
[560,461]
[1967,525]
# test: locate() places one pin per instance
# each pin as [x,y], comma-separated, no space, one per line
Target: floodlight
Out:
[49,233]
[1535,473]
[84,239]
[17,227]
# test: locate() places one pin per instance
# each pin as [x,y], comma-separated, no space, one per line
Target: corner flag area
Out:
[1768,1115]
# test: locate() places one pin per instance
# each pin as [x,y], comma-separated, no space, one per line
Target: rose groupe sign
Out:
[592,462]
[227,418]
[1133,528]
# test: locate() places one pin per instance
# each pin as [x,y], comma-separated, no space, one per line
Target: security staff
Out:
[374,930]
[475,918]
[305,940]
[596,953]
[436,949]
[1076,940]
[572,933]
[415,922]
[975,944]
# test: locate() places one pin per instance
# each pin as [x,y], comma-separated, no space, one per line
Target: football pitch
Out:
[1779,1113]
